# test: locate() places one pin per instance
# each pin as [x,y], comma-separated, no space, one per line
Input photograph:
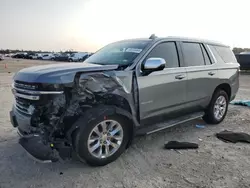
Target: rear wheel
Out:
[217,108]
[102,140]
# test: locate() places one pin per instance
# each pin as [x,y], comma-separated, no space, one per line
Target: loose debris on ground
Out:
[242,102]
[180,145]
[234,137]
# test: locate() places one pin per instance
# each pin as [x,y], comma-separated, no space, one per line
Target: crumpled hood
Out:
[58,73]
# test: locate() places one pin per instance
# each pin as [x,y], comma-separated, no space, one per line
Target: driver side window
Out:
[167,51]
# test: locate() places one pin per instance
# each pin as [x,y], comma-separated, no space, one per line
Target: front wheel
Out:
[102,140]
[217,108]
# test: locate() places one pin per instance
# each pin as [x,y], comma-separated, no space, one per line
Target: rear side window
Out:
[167,51]
[192,54]
[223,54]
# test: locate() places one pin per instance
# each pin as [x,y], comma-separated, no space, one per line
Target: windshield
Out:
[119,53]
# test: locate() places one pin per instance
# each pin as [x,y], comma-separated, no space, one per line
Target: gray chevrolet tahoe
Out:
[130,87]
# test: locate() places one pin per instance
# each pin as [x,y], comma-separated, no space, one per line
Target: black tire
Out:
[81,139]
[209,116]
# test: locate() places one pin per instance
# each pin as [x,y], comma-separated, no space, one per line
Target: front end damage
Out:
[46,114]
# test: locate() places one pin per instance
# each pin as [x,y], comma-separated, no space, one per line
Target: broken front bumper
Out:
[33,143]
[44,154]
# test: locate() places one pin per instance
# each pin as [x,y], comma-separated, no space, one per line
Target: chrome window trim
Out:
[215,60]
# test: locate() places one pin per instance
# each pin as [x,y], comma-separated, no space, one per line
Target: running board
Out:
[170,123]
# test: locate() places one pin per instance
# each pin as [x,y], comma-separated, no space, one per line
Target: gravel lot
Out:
[145,163]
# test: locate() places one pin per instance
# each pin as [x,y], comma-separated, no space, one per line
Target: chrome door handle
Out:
[179,77]
[211,73]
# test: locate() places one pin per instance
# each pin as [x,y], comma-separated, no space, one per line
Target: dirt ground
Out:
[145,164]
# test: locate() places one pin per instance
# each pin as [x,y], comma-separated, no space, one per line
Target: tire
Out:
[82,136]
[210,116]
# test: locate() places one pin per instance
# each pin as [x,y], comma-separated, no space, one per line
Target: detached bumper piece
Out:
[13,119]
[37,150]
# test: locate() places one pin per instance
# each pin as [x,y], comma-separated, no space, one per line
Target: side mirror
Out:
[153,64]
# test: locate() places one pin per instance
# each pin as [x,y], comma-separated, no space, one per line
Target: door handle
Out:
[179,77]
[211,73]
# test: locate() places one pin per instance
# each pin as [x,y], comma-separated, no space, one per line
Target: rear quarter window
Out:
[223,53]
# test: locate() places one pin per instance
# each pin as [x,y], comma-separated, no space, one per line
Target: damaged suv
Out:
[129,87]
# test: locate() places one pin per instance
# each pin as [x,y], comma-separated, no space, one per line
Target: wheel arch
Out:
[226,87]
[105,111]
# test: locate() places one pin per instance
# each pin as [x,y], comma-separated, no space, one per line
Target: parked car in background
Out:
[29,55]
[9,55]
[86,57]
[39,56]
[62,57]
[48,56]
[34,56]
[1,57]
[20,55]
[244,60]
[78,56]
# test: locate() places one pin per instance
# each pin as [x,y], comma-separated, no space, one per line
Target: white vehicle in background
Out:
[9,55]
[46,56]
[78,56]
[34,56]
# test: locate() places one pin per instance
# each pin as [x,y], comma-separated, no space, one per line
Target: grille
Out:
[23,85]
[24,100]
[29,95]
[23,106]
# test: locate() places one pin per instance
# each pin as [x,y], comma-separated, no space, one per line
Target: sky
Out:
[87,25]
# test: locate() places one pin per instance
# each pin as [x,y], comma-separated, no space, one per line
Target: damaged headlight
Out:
[13,89]
[52,87]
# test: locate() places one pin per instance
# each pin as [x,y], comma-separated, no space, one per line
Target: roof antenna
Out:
[153,36]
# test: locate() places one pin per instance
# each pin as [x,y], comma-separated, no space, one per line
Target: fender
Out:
[111,91]
[101,110]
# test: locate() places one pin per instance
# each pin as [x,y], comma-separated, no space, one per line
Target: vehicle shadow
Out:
[17,166]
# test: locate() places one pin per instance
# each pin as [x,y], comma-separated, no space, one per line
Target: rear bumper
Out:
[31,141]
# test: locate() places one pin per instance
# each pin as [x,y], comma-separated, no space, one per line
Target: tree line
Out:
[239,50]
[8,51]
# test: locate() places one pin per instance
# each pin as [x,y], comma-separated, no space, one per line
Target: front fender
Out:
[95,89]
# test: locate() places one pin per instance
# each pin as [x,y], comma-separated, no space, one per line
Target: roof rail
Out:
[153,36]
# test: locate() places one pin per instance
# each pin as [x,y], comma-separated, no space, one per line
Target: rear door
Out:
[201,72]
[164,91]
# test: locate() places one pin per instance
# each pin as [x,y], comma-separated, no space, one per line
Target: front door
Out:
[164,91]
